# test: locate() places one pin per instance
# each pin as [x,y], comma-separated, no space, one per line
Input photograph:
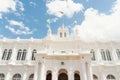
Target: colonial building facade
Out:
[59,57]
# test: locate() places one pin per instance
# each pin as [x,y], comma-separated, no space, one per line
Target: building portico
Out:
[70,66]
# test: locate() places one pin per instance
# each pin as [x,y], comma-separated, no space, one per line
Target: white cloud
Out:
[10,5]
[100,26]
[20,5]
[18,27]
[32,4]
[67,7]
[1,36]
[0,16]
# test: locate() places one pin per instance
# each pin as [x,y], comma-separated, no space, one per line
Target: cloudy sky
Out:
[95,19]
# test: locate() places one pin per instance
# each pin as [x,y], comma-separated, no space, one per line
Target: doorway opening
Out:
[62,75]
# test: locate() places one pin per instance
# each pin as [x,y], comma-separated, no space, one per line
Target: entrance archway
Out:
[62,76]
[49,75]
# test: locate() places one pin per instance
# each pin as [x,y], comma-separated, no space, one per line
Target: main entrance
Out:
[62,76]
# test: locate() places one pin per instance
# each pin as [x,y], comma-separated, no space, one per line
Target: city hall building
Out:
[59,57]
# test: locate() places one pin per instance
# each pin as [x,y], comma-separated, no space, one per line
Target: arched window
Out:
[19,54]
[9,54]
[103,54]
[108,55]
[24,54]
[2,76]
[49,75]
[31,77]
[60,34]
[118,53]
[33,52]
[93,54]
[65,35]
[4,56]
[110,77]
[95,77]
[76,76]
[17,77]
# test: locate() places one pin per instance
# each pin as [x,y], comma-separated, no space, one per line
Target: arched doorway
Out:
[49,75]
[62,75]
[76,75]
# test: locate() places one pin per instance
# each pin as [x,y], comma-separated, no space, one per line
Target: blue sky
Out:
[27,18]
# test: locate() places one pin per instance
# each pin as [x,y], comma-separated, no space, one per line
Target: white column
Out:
[42,74]
[9,76]
[102,76]
[36,71]
[118,75]
[29,55]
[83,73]
[98,55]
[89,71]
[25,74]
[71,75]
[55,74]
[13,56]
[114,55]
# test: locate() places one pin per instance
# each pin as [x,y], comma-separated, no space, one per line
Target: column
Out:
[83,73]
[29,55]
[55,74]
[98,55]
[114,55]
[42,74]
[89,71]
[102,76]
[25,76]
[118,75]
[9,76]
[13,55]
[25,73]
[36,71]
[71,74]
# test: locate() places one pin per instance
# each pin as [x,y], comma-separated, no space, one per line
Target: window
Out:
[65,34]
[24,54]
[76,76]
[31,77]
[4,54]
[49,75]
[95,77]
[19,54]
[108,55]
[2,76]
[33,52]
[9,54]
[110,77]
[118,53]
[60,35]
[103,55]
[93,54]
[17,77]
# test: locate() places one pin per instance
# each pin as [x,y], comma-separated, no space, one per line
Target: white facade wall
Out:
[52,51]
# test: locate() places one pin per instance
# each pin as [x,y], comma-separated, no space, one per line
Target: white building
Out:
[59,57]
